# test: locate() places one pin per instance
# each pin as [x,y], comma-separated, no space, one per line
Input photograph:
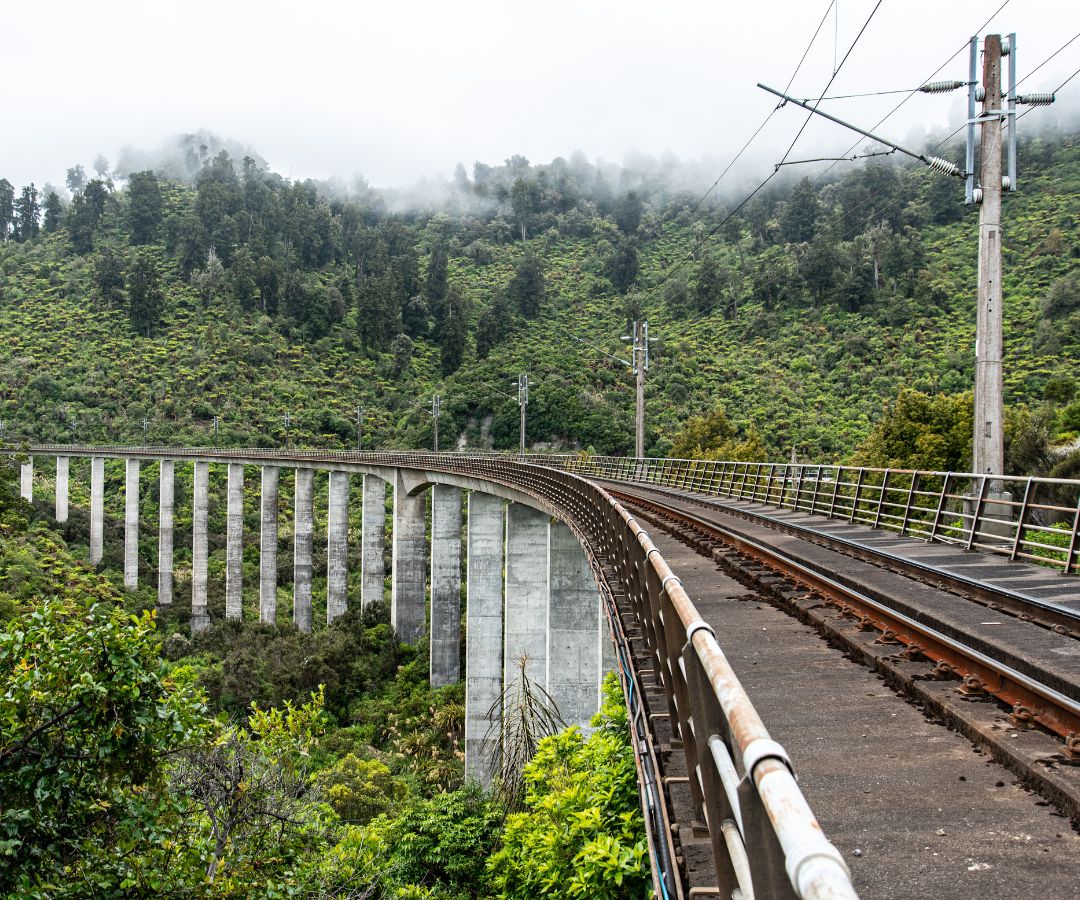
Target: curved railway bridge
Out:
[911,639]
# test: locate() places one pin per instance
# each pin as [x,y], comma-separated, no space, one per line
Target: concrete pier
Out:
[337,545]
[97,507]
[234,544]
[408,602]
[445,656]
[373,540]
[200,617]
[525,632]
[26,480]
[483,634]
[131,524]
[268,535]
[166,486]
[63,470]
[573,660]
[303,525]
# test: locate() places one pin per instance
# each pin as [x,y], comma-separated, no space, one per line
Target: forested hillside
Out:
[220,289]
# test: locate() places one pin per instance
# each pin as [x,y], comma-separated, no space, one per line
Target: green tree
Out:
[109,277]
[76,179]
[713,436]
[54,211]
[628,213]
[145,207]
[435,288]
[527,288]
[454,332]
[623,266]
[358,790]
[918,431]
[27,214]
[493,325]
[7,208]
[146,299]
[88,718]
[798,221]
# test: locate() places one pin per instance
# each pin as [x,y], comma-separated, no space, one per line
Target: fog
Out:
[398,94]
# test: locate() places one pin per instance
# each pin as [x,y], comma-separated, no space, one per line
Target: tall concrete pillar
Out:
[573,658]
[26,480]
[165,533]
[407,605]
[131,524]
[303,525]
[234,544]
[268,534]
[97,507]
[337,545]
[483,634]
[200,617]
[373,540]
[445,585]
[63,470]
[525,631]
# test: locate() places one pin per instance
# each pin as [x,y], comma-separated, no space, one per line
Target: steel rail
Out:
[786,850]
[1054,616]
[980,672]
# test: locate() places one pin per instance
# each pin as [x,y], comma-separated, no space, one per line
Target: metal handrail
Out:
[742,781]
[1021,517]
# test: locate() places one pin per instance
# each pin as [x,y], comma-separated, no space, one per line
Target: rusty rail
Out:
[1020,517]
[766,841]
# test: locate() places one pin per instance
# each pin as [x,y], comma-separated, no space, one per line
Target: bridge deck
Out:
[928,813]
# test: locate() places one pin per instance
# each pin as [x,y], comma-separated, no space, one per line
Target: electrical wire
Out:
[772,112]
[1050,57]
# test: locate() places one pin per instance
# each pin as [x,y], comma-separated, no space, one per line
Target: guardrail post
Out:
[1074,543]
[881,498]
[907,506]
[766,856]
[858,489]
[1020,523]
[978,512]
[772,481]
[837,478]
[940,506]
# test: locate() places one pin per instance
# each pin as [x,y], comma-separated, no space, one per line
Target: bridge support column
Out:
[131,524]
[166,485]
[483,635]
[200,618]
[63,469]
[526,619]
[609,659]
[97,508]
[234,544]
[26,480]
[408,603]
[303,526]
[445,585]
[337,546]
[268,535]
[373,540]
[573,658]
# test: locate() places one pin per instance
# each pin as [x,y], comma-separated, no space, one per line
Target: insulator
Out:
[980,93]
[941,87]
[1043,99]
[943,166]
[1006,183]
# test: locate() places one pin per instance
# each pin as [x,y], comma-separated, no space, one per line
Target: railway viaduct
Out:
[559,570]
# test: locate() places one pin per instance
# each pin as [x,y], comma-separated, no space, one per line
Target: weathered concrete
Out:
[337,545]
[97,507]
[525,633]
[303,526]
[234,544]
[268,537]
[166,489]
[573,658]
[373,540]
[63,470]
[407,606]
[200,617]
[483,634]
[131,524]
[445,656]
[26,480]
[609,658]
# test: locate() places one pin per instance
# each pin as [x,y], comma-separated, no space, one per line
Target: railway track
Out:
[910,645]
[910,777]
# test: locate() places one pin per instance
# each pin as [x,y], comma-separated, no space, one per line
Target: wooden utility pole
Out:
[989,449]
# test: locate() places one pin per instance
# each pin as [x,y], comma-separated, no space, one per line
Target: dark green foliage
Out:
[54,210]
[527,289]
[798,221]
[145,207]
[435,287]
[623,266]
[146,300]
[27,214]
[494,325]
[109,277]
[628,213]
[921,432]
[7,208]
[453,333]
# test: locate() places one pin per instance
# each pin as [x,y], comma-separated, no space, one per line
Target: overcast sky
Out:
[399,89]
